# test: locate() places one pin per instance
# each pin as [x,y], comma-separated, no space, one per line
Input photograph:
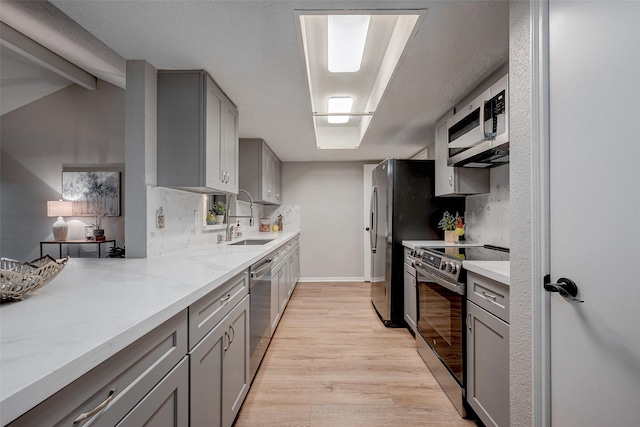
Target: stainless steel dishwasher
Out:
[260,316]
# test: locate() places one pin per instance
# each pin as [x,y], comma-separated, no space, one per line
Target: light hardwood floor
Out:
[331,362]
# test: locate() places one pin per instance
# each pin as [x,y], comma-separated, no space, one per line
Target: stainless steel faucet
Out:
[241,216]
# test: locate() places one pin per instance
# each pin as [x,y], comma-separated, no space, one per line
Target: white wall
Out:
[330,197]
[71,128]
[521,290]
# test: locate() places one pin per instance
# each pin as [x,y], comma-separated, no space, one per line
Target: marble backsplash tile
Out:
[487,215]
[184,228]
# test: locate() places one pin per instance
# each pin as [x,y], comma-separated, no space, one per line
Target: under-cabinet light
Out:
[346,39]
[341,104]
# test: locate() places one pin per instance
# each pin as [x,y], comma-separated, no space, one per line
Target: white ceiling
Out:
[251,48]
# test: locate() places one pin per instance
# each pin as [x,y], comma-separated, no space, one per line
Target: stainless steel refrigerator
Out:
[403,207]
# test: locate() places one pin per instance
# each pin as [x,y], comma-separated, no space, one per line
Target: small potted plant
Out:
[450,223]
[98,231]
[218,209]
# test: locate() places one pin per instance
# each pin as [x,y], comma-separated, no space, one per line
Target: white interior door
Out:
[368,169]
[594,67]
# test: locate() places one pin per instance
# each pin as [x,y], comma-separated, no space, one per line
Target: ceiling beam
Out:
[23,45]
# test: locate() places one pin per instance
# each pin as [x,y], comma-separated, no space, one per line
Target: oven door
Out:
[441,310]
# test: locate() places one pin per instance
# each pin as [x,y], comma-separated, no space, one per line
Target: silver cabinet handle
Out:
[486,295]
[450,181]
[233,334]
[86,415]
[225,299]
[469,321]
[226,346]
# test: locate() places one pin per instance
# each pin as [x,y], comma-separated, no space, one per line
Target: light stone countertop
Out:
[496,270]
[96,307]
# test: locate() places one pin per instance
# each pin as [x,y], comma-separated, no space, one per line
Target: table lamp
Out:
[59,208]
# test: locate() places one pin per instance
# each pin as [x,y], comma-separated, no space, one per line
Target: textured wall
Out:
[521,295]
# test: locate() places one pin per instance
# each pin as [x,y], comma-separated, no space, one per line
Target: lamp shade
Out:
[59,208]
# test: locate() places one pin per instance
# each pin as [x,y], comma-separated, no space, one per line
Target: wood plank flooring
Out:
[331,362]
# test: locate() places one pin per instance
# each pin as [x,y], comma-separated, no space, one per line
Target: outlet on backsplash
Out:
[160,218]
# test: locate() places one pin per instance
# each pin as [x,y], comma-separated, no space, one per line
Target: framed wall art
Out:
[92,193]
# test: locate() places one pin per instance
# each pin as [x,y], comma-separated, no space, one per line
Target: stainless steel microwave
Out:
[478,134]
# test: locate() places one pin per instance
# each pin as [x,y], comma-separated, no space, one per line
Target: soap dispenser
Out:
[238,230]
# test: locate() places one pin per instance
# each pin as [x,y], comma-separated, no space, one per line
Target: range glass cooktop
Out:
[479,253]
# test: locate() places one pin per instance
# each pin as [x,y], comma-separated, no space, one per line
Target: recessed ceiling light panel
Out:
[347,35]
[339,104]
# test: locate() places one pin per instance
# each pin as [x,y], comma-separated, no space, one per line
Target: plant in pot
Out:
[218,209]
[98,231]
[453,227]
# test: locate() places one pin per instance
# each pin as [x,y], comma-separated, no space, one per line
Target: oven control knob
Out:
[443,266]
[454,268]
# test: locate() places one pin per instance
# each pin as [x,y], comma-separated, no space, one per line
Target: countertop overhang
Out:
[96,307]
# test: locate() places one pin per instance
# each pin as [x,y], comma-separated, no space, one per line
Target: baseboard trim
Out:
[331,279]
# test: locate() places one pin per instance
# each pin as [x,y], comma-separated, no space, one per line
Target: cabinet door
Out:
[167,405]
[275,298]
[410,297]
[266,182]
[283,291]
[290,273]
[205,377]
[213,135]
[488,366]
[277,178]
[235,367]
[229,146]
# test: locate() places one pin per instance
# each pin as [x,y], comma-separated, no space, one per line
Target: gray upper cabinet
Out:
[452,181]
[197,134]
[260,171]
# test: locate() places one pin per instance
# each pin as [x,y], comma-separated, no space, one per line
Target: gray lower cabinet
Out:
[219,370]
[107,393]
[284,277]
[167,405]
[410,297]
[487,351]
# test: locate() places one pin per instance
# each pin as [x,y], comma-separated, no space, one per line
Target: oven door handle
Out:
[458,288]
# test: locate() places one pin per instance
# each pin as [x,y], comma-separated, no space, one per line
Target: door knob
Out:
[567,288]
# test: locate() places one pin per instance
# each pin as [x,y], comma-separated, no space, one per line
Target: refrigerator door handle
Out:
[374,218]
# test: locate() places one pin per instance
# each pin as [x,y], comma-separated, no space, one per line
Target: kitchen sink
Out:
[251,242]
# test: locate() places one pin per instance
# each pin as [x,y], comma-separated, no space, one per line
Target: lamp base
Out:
[60,229]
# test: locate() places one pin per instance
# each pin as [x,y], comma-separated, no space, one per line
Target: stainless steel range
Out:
[441,340]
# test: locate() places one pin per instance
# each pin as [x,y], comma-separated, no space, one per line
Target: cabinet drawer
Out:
[489,294]
[205,313]
[126,378]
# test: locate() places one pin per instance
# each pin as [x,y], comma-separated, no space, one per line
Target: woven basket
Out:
[16,279]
